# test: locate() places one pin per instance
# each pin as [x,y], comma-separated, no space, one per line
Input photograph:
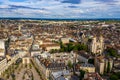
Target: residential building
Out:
[63,57]
[26,60]
[88,67]
[103,63]
[83,56]
[92,76]
[35,50]
[49,47]
[2,48]
[46,66]
[64,40]
[3,64]
[60,75]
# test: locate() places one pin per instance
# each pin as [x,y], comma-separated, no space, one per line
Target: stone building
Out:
[96,45]
[26,60]
[47,66]
[2,48]
[64,40]
[102,64]
[88,67]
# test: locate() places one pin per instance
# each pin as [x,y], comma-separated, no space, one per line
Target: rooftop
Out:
[49,64]
[1,58]
[93,76]
[84,54]
[60,73]
[87,65]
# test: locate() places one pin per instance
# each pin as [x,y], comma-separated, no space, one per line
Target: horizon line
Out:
[30,18]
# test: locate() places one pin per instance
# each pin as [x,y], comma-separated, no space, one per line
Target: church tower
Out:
[101,43]
[97,45]
[93,45]
[19,27]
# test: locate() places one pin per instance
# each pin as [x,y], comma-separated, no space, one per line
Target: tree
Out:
[70,65]
[75,48]
[82,73]
[113,77]
[81,47]
[7,76]
[13,76]
[91,61]
[61,44]
[112,52]
[70,47]
[52,51]
[62,47]
[23,77]
[118,74]
[30,66]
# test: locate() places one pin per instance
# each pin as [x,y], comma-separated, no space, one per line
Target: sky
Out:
[60,8]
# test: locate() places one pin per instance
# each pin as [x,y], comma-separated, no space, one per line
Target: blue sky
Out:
[60,8]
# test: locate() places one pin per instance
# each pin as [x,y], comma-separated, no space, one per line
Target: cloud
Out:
[78,11]
[25,7]
[60,8]
[29,11]
[17,0]
[4,6]
[106,1]
[71,1]
[72,6]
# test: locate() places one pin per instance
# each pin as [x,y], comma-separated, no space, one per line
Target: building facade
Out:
[87,67]
[96,45]
[2,48]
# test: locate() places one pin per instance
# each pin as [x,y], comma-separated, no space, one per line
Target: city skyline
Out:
[60,8]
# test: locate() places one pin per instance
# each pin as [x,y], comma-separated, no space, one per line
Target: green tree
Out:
[23,77]
[81,47]
[113,77]
[112,52]
[61,44]
[62,47]
[7,76]
[82,73]
[70,47]
[118,74]
[91,61]
[52,51]
[70,65]
[75,48]
[30,66]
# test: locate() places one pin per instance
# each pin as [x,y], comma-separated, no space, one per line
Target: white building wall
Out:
[2,48]
[4,64]
[97,45]
[35,53]
[101,68]
[2,44]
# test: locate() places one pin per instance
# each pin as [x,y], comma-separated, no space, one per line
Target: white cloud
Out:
[4,6]
[29,11]
[54,8]
[78,11]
